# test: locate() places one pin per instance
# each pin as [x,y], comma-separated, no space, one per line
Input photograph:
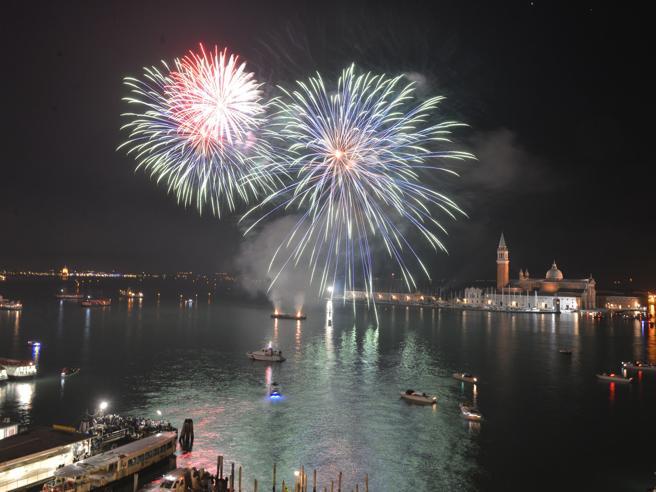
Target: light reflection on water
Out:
[341,384]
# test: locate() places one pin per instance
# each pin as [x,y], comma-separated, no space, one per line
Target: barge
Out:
[101,302]
[18,368]
[297,316]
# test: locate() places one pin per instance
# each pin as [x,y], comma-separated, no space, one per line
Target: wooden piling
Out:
[255,485]
[274,479]
[239,478]
[314,480]
[135,482]
[232,477]
[331,486]
[366,482]
[219,467]
[283,486]
[339,482]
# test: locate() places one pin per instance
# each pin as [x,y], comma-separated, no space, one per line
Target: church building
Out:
[554,292]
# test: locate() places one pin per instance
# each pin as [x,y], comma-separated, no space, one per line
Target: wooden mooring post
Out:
[239,478]
[274,478]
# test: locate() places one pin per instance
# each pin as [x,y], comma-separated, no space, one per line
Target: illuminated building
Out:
[30,458]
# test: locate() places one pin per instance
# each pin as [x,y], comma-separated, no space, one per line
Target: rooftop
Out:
[35,440]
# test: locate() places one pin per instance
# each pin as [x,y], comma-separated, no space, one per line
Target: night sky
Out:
[556,97]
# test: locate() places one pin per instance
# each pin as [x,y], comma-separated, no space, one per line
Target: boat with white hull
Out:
[104,468]
[465,377]
[470,413]
[418,398]
[3,374]
[613,378]
[266,355]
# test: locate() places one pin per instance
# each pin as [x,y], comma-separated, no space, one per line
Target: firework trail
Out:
[197,129]
[357,157]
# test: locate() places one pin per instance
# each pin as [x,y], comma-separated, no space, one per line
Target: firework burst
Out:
[359,157]
[198,127]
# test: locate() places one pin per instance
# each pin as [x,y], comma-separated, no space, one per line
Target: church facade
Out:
[553,292]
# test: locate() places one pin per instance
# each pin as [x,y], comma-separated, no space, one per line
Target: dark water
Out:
[549,425]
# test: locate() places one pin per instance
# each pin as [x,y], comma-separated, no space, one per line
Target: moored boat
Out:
[470,413]
[9,305]
[418,398]
[3,374]
[638,365]
[183,480]
[64,296]
[613,378]
[297,316]
[565,351]
[465,376]
[100,302]
[18,368]
[104,468]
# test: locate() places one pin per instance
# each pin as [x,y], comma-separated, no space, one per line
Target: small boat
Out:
[267,355]
[413,396]
[34,343]
[177,481]
[638,365]
[102,302]
[565,351]
[297,316]
[274,391]
[613,378]
[465,376]
[3,374]
[69,371]
[470,413]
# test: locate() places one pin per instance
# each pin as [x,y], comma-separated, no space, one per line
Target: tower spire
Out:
[502,242]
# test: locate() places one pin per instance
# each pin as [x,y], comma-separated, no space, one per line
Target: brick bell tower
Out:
[503,264]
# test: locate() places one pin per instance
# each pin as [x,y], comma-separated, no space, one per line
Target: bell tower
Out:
[503,264]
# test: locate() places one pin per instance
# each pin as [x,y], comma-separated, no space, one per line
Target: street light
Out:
[159,412]
[103,406]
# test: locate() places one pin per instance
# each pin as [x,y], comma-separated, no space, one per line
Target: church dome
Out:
[554,273]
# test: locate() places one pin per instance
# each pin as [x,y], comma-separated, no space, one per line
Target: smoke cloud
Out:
[287,286]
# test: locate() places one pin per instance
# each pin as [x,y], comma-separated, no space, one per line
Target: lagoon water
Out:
[549,425]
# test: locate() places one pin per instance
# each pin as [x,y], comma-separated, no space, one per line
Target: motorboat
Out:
[274,391]
[565,351]
[297,316]
[613,378]
[470,413]
[465,376]
[101,302]
[418,398]
[638,365]
[69,371]
[266,354]
[182,480]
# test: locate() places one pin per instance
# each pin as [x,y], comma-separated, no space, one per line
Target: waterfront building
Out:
[30,458]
